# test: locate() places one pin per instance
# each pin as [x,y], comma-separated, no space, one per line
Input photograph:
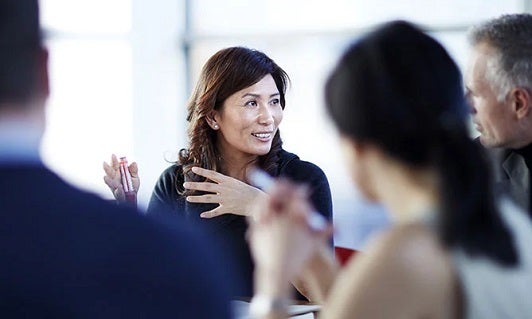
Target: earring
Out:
[215,126]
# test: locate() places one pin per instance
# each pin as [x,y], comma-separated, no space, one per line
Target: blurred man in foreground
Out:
[67,253]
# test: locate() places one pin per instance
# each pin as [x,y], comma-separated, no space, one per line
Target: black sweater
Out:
[230,230]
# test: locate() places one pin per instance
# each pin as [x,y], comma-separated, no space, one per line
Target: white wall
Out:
[117,87]
[119,77]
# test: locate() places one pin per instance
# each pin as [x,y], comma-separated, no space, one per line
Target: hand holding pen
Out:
[283,235]
[122,178]
[265,182]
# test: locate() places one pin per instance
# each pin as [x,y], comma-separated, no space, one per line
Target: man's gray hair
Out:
[511,66]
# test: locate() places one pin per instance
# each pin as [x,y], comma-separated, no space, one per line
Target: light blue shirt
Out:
[19,143]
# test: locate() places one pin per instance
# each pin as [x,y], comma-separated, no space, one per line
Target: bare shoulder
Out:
[406,269]
[412,249]
[414,256]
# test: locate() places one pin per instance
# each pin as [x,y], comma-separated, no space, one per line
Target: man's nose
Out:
[471,108]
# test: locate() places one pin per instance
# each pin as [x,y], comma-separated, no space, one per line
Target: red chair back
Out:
[343,254]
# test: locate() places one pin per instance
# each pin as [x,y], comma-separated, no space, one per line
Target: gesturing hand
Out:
[280,237]
[232,195]
[113,180]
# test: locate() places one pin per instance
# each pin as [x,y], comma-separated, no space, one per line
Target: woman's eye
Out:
[275,102]
[251,103]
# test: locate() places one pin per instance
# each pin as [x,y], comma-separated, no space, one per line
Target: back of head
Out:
[511,37]
[20,42]
[398,88]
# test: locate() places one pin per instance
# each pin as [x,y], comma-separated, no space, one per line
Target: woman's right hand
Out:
[113,179]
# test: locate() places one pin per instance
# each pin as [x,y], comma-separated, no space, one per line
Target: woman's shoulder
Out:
[402,266]
[414,251]
[172,170]
[291,165]
[169,177]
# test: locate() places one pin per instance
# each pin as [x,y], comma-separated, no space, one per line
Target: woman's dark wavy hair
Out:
[226,72]
[399,89]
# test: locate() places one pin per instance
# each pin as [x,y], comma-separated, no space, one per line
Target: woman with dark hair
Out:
[396,98]
[234,115]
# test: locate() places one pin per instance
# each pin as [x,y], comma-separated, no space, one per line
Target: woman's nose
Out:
[265,115]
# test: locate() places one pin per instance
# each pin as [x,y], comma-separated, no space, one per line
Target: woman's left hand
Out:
[232,195]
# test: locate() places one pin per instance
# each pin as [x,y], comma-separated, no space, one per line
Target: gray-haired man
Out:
[499,88]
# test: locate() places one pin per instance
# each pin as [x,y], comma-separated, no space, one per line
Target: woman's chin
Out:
[262,150]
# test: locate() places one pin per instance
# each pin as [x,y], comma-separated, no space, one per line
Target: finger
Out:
[211,213]
[114,162]
[303,191]
[208,199]
[290,201]
[108,170]
[282,193]
[212,175]
[134,169]
[202,186]
[302,212]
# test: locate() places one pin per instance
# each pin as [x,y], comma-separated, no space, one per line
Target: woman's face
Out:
[249,119]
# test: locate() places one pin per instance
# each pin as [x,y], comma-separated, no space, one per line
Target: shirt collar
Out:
[19,142]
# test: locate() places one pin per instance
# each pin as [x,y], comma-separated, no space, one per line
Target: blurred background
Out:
[122,70]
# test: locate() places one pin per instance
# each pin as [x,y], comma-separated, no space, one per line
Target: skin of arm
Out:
[318,275]
[282,242]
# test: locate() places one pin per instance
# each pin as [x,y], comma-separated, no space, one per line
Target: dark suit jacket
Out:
[65,253]
[511,175]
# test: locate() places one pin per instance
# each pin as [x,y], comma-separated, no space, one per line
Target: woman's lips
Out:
[263,136]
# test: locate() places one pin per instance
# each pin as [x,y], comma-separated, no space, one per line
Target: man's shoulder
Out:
[495,155]
[69,239]
[54,208]
[37,191]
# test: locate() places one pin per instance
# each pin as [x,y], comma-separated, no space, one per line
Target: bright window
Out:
[122,70]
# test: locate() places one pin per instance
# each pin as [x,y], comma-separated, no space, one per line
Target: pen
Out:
[262,180]
[127,182]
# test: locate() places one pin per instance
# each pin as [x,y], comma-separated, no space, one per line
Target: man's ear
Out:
[43,80]
[521,101]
